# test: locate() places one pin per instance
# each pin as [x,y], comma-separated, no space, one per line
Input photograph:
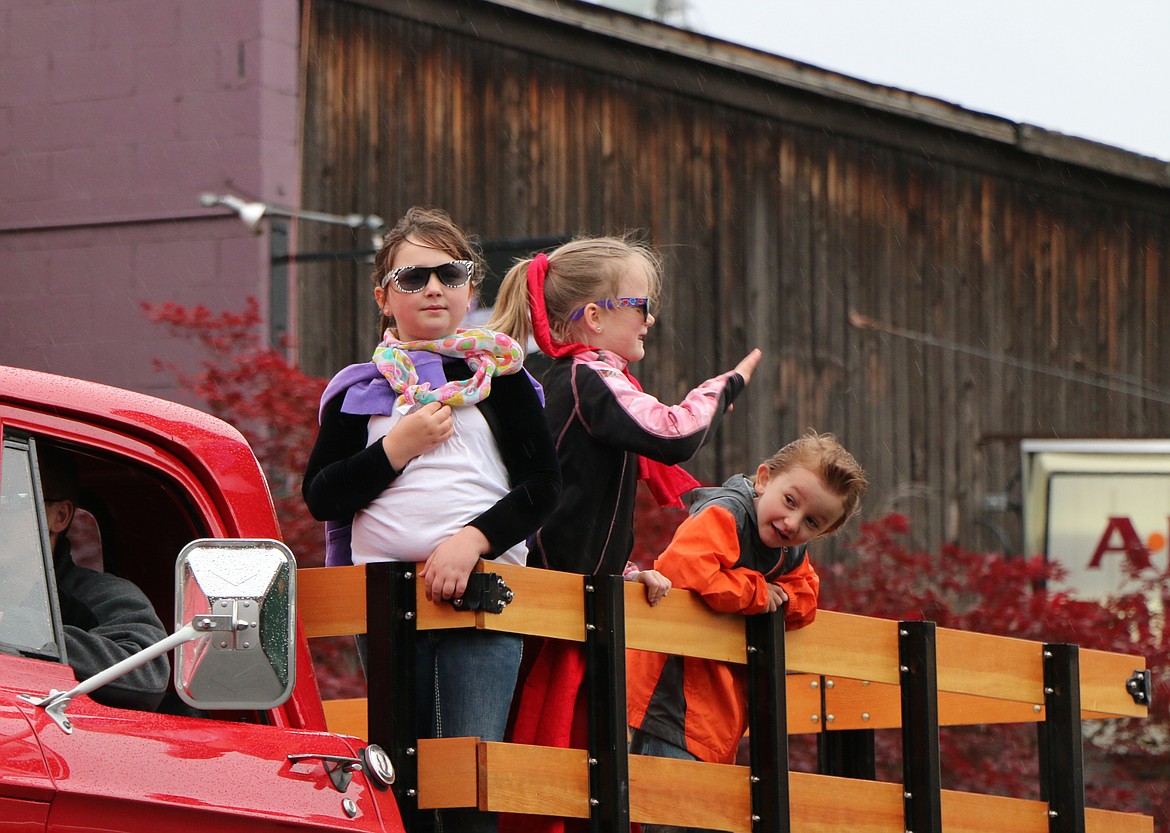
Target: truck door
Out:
[126,770]
[25,787]
[139,772]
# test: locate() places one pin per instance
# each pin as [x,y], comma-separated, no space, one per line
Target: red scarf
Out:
[667,483]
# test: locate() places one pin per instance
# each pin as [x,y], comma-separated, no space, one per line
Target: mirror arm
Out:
[55,701]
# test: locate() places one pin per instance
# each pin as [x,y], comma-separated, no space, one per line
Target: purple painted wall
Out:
[114,116]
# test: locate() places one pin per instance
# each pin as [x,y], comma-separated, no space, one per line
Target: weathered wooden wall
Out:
[929,295]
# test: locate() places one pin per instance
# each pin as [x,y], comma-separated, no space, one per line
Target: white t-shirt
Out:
[435,496]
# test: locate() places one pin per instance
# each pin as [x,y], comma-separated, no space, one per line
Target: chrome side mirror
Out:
[241,595]
[235,630]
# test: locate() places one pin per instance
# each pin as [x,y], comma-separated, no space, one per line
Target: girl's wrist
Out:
[391,453]
[477,538]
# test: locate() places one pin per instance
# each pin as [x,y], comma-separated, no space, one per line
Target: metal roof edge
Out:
[1028,138]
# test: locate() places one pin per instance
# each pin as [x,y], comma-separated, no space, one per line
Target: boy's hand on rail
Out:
[448,566]
[657,585]
[777,598]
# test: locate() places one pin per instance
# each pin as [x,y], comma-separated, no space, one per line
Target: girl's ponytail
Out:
[510,314]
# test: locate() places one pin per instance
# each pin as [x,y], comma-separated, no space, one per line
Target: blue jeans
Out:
[644,744]
[466,679]
[465,682]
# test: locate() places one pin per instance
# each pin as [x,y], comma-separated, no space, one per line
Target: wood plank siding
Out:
[930,291]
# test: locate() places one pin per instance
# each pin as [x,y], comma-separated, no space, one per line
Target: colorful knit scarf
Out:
[487,353]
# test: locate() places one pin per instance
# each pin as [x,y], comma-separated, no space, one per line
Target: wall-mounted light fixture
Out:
[251,213]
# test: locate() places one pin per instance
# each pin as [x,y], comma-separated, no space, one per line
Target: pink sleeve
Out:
[618,414]
[693,414]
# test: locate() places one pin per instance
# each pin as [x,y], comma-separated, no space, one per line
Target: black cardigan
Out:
[344,474]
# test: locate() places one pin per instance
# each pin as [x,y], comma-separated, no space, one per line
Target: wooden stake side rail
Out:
[663,791]
[348,716]
[1000,678]
[843,674]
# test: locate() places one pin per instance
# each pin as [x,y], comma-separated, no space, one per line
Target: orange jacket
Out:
[697,704]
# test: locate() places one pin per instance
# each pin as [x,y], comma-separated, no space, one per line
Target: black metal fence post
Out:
[605,679]
[768,722]
[1062,768]
[921,776]
[849,753]
[390,676]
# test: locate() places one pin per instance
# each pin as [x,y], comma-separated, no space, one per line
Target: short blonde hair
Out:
[824,456]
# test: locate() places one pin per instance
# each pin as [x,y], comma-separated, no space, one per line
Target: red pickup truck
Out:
[167,485]
[155,476]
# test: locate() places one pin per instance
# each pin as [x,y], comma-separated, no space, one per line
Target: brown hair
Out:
[824,456]
[581,271]
[430,227]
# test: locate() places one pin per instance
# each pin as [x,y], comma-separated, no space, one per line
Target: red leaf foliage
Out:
[1126,761]
[274,405]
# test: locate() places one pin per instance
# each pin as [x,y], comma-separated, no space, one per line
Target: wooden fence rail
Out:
[844,675]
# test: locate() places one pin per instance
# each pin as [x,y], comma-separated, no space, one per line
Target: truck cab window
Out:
[26,614]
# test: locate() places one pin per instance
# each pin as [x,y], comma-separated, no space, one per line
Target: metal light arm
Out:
[251,213]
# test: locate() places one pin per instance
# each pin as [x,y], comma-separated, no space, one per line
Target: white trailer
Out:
[1099,507]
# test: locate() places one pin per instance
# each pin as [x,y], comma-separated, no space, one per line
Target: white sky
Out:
[1098,69]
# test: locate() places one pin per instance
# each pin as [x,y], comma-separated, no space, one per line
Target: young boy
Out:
[743,549]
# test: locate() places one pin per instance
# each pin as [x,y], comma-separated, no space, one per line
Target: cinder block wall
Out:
[114,116]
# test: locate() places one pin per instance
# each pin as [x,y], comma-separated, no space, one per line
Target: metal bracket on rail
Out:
[1140,687]
[921,775]
[486,592]
[605,686]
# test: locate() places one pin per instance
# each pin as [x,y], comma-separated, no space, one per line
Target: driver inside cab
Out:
[106,618]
